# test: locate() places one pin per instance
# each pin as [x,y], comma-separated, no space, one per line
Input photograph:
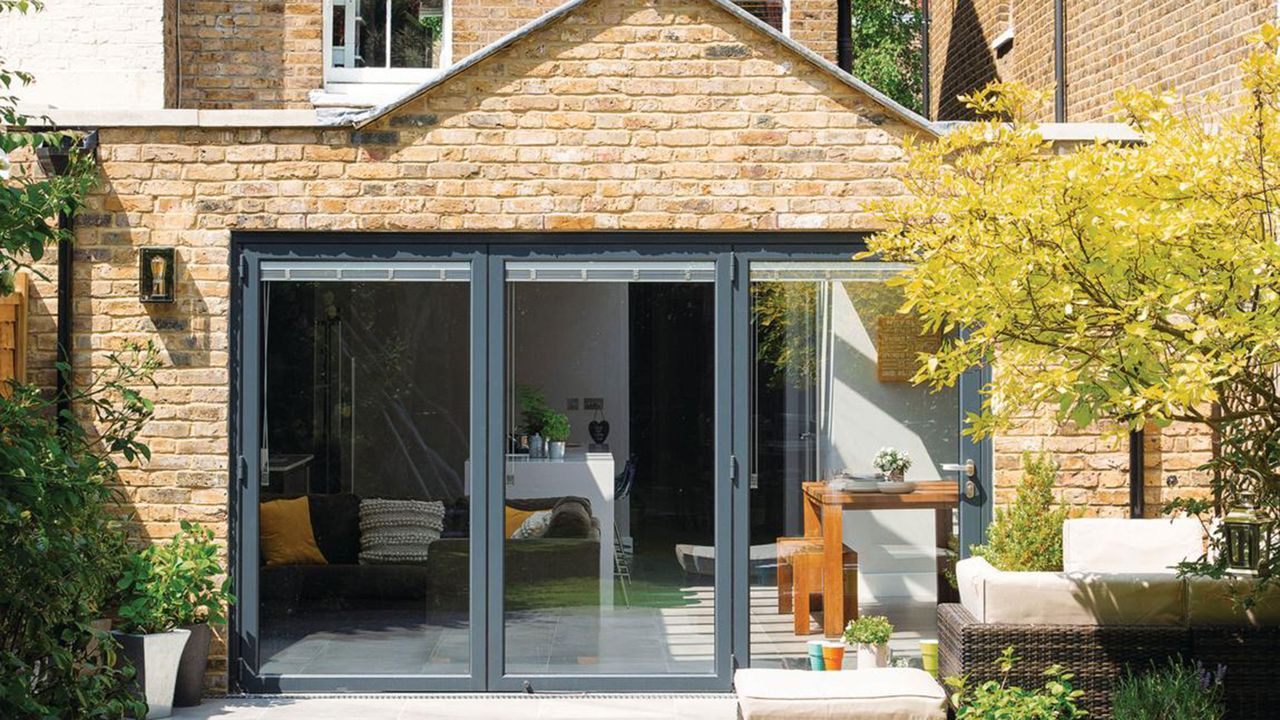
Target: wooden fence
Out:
[13,335]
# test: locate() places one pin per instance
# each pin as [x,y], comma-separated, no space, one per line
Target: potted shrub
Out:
[893,462]
[192,558]
[869,636]
[534,409]
[147,629]
[555,428]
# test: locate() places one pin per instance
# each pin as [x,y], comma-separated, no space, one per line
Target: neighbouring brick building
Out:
[1195,47]
[706,154]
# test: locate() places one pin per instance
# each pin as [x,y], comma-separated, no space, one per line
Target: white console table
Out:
[581,474]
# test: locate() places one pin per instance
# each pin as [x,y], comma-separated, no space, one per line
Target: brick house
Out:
[394,226]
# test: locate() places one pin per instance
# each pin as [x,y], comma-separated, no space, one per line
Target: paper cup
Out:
[815,655]
[833,655]
[929,656]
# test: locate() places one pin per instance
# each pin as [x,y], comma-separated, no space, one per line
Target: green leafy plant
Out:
[173,584]
[64,543]
[886,47]
[1179,691]
[533,407]
[868,630]
[555,426]
[1027,535]
[999,700]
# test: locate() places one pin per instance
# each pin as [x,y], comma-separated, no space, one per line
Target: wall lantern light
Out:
[156,274]
[1246,532]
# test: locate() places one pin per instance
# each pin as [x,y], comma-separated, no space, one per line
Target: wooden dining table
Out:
[824,509]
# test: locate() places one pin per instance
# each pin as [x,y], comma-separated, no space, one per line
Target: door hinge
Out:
[733,469]
[242,471]
[244,270]
[733,271]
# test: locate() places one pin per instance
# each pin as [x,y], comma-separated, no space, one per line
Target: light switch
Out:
[571,404]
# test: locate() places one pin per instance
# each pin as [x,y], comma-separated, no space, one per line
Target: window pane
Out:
[363,509]
[609,548]
[338,36]
[829,390]
[769,11]
[417,31]
[371,34]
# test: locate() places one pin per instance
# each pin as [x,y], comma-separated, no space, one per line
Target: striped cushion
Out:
[398,531]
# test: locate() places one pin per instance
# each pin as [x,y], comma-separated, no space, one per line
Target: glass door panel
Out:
[828,389]
[365,434]
[609,469]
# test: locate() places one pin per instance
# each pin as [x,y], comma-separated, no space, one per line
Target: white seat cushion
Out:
[1046,598]
[880,694]
[1210,602]
[1117,545]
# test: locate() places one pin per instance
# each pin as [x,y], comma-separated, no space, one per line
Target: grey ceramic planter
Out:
[195,659]
[155,657]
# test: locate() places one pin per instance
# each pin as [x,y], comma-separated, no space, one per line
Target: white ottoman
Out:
[880,694]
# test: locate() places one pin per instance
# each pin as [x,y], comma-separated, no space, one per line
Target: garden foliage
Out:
[1179,691]
[998,700]
[1136,282]
[1027,534]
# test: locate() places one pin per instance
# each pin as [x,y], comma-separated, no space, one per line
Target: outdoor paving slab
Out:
[472,707]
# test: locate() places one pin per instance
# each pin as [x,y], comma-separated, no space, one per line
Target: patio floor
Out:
[467,707]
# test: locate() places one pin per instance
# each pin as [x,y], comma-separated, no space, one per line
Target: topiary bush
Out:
[1027,535]
[64,545]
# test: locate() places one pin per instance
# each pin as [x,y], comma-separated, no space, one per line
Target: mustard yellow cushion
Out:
[514,519]
[286,537]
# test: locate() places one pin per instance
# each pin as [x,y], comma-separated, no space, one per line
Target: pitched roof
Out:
[910,117]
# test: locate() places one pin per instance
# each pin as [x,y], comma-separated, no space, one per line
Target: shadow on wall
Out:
[969,64]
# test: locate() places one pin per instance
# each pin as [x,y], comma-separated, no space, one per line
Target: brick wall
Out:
[107,54]
[813,24]
[478,23]
[249,53]
[629,114]
[1195,47]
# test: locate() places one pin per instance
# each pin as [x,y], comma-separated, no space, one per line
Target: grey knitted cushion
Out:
[398,531]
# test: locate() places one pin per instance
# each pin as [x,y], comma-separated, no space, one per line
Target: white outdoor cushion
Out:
[1034,598]
[1108,545]
[1209,602]
[880,694]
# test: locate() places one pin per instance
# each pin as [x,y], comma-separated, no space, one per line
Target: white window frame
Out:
[344,75]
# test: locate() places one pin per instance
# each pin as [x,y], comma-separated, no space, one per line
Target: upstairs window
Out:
[386,40]
[772,12]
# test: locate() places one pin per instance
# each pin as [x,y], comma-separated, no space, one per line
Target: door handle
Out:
[970,471]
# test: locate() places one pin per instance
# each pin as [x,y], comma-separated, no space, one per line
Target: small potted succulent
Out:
[869,638]
[555,427]
[893,462]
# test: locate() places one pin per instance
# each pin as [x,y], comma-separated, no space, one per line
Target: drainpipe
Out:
[1060,61]
[844,35]
[1137,463]
[925,108]
[55,160]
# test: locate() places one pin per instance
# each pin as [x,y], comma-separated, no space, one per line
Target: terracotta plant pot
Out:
[195,660]
[155,658]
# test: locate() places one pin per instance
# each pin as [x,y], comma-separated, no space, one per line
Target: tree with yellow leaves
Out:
[1137,282]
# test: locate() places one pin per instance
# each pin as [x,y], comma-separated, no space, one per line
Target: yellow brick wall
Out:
[264,54]
[627,115]
[1195,47]
[813,24]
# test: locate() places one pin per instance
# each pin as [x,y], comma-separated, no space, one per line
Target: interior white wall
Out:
[89,54]
[571,341]
[895,547]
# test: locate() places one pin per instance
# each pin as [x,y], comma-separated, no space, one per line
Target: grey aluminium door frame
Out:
[974,514]
[248,251]
[707,250]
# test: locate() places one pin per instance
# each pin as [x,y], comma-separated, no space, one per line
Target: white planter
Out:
[155,659]
[555,449]
[872,656]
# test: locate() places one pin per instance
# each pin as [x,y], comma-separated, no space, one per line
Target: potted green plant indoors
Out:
[147,631]
[193,557]
[893,462]
[869,636]
[555,427]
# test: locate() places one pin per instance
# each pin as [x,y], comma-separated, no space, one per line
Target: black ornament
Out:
[599,430]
